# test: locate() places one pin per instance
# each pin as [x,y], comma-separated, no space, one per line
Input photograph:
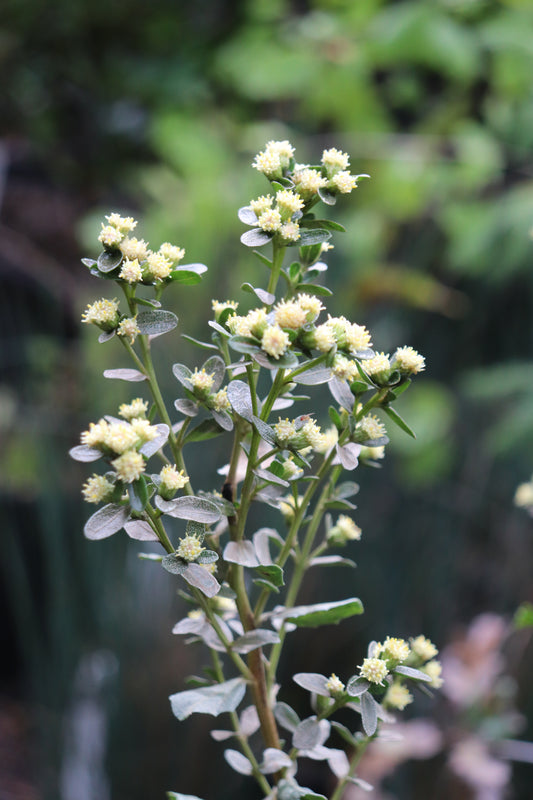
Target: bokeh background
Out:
[156,109]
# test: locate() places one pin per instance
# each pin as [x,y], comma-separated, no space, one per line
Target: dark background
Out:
[156,109]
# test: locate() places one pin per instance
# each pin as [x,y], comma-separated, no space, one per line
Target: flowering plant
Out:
[242,583]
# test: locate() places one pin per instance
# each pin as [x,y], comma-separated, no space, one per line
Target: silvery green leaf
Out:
[415,674]
[178,796]
[183,374]
[343,731]
[156,322]
[274,760]
[357,686]
[198,343]
[187,407]
[310,733]
[197,509]
[327,197]
[364,785]
[346,489]
[240,399]
[261,539]
[187,274]
[204,630]
[265,431]
[84,453]
[342,394]
[332,561]
[252,640]
[218,328]
[313,682]
[105,336]
[206,429]
[348,454]
[216,367]
[249,721]
[289,790]
[238,762]
[265,297]
[201,578]
[242,553]
[322,613]
[109,260]
[309,237]
[140,530]
[269,477]
[106,521]
[207,557]
[222,736]
[132,375]
[223,419]
[157,443]
[212,700]
[247,215]
[174,564]
[286,716]
[338,762]
[313,376]
[369,713]
[256,237]
[88,262]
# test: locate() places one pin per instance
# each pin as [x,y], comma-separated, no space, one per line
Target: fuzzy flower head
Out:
[423,648]
[308,182]
[344,368]
[324,338]
[129,466]
[131,271]
[157,267]
[129,329]
[291,470]
[133,248]
[523,497]
[398,696]
[137,408]
[374,670]
[288,203]
[343,182]
[172,480]
[369,429]
[189,548]
[372,453]
[357,338]
[275,341]
[287,507]
[433,669]
[329,439]
[103,313]
[238,325]
[97,489]
[219,401]
[290,231]
[270,220]
[201,382]
[290,314]
[120,436]
[123,224]
[334,685]
[344,530]
[257,322]
[392,649]
[143,431]
[261,204]
[310,304]
[96,434]
[274,159]
[172,253]
[408,361]
[220,306]
[335,160]
[378,367]
[110,236]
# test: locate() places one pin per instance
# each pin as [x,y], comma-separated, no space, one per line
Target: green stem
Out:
[159,528]
[211,616]
[278,252]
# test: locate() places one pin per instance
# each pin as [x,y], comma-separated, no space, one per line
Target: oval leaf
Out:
[286,716]
[323,613]
[240,399]
[106,521]
[410,672]
[348,455]
[212,700]
[197,509]
[342,394]
[247,215]
[256,238]
[140,530]
[357,686]
[265,297]
[369,714]
[310,733]
[124,375]
[156,444]
[254,639]
[241,553]
[154,323]
[315,236]
[201,578]
[84,453]
[109,260]
[187,407]
[313,682]
[274,760]
[238,762]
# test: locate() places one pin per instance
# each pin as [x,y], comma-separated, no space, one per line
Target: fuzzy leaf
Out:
[348,455]
[132,375]
[357,686]
[323,613]
[327,197]
[271,573]
[286,716]
[138,494]
[155,323]
[198,343]
[369,713]
[289,790]
[274,760]
[313,376]
[240,399]
[156,444]
[256,237]
[212,700]
[311,733]
[197,509]
[106,521]
[401,423]
[267,298]
[216,366]
[201,578]
[109,260]
[265,431]
[316,236]
[342,394]
[314,288]
[223,420]
[84,453]
[414,674]
[182,374]
[242,553]
[247,215]
[207,429]
[313,682]
[187,407]
[259,637]
[140,530]
[105,337]
[332,561]
[238,762]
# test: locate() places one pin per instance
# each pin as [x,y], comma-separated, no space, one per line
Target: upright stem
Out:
[354,762]
[277,261]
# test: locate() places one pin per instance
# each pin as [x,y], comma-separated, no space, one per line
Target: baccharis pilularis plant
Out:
[243,583]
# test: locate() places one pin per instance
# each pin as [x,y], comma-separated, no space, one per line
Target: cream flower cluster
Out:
[103,313]
[280,214]
[140,264]
[298,433]
[345,530]
[189,548]
[368,429]
[172,480]
[274,159]
[423,653]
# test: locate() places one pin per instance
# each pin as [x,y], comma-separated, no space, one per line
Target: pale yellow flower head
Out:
[308,182]
[143,430]
[290,314]
[110,236]
[310,304]
[378,367]
[220,400]
[270,220]
[344,530]
[157,267]
[261,204]
[201,381]
[288,202]
[335,160]
[129,466]
[324,336]
[357,338]
[275,341]
[137,408]
[433,669]
[172,479]
[423,648]
[329,439]
[343,182]
[398,696]
[129,329]
[120,437]
[123,224]
[96,434]
[370,428]
[334,685]
[374,670]
[97,489]
[239,326]
[134,248]
[220,306]
[189,548]
[131,271]
[524,495]
[344,368]
[290,231]
[408,361]
[171,252]
[103,313]
[257,321]
[395,649]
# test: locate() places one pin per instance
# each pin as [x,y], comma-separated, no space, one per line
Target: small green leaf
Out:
[193,508]
[198,343]
[138,494]
[414,674]
[369,713]
[241,553]
[328,224]
[187,407]
[335,417]
[323,613]
[327,197]
[310,733]
[244,344]
[252,640]
[174,564]
[212,700]
[286,716]
[155,323]
[240,399]
[184,276]
[357,686]
[271,573]
[182,373]
[207,429]
[88,262]
[265,431]
[314,288]
[140,530]
[313,682]
[401,423]
[84,453]
[265,297]
[247,215]
[263,259]
[109,260]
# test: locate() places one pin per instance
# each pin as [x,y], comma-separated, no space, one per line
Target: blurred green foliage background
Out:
[157,109]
